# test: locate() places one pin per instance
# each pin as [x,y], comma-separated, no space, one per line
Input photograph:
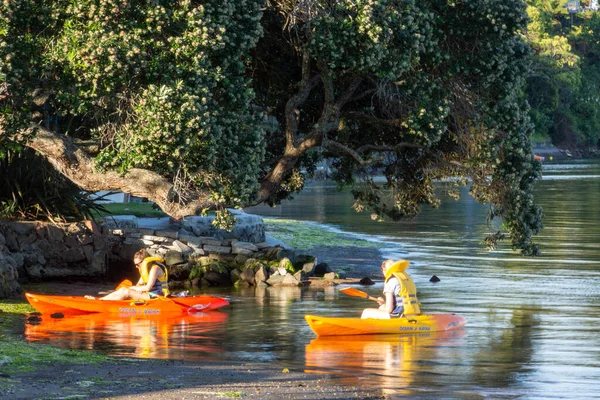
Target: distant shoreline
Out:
[553,153]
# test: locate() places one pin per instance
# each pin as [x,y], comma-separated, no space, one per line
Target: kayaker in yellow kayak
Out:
[153,280]
[400,293]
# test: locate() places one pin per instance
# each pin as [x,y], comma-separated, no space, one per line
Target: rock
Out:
[238,246]
[330,276]
[290,280]
[321,269]
[261,274]
[217,278]
[235,274]
[248,276]
[217,249]
[275,279]
[434,279]
[173,258]
[308,264]
[240,259]
[366,281]
[301,276]
[181,247]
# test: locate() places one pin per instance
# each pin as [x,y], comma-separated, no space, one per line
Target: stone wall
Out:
[195,252]
[41,250]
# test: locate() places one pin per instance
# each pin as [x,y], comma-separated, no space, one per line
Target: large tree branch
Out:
[292,107]
[81,168]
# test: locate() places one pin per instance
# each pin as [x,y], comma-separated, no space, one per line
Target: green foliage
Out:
[564,85]
[159,85]
[440,96]
[415,91]
[30,189]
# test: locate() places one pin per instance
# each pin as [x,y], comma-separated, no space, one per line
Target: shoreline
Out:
[154,379]
[161,379]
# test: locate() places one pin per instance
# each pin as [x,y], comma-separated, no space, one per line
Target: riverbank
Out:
[164,380]
[117,378]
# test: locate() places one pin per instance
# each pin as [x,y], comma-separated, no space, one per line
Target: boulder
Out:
[248,276]
[9,276]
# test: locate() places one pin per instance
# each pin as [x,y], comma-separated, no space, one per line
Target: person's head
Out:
[139,257]
[385,265]
[390,267]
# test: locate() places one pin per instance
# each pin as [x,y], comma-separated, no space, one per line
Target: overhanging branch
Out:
[78,166]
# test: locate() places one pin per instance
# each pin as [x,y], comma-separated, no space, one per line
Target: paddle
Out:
[357,293]
[125,283]
[194,308]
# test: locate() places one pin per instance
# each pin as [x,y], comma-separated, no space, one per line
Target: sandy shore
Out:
[157,379]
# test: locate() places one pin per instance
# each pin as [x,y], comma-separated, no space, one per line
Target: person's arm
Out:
[151,280]
[389,305]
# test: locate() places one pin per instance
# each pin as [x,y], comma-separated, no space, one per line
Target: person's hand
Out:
[381,301]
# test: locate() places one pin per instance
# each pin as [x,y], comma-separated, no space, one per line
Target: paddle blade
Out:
[354,292]
[125,283]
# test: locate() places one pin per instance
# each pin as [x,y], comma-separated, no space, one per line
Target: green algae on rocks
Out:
[305,235]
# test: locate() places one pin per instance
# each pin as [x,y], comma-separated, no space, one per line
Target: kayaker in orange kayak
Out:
[153,280]
[400,293]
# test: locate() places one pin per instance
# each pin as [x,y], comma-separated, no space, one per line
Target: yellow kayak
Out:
[324,326]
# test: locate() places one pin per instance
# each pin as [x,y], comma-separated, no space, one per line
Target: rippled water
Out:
[533,330]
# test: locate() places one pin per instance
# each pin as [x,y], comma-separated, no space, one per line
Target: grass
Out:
[18,355]
[304,236]
[141,210]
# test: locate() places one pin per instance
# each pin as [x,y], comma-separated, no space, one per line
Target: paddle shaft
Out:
[358,293]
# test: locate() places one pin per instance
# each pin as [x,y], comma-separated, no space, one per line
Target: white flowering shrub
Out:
[160,85]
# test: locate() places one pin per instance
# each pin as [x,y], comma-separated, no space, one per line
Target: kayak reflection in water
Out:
[153,280]
[400,293]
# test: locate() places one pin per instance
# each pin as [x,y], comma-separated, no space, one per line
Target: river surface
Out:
[533,326]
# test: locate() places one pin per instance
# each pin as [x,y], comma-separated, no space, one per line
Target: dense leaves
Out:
[414,91]
[565,79]
[438,96]
[30,189]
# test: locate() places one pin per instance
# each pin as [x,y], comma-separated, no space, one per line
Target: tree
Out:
[162,100]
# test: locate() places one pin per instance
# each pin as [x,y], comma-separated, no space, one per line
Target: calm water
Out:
[534,324]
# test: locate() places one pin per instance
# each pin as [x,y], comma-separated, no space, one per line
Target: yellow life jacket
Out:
[161,284]
[408,290]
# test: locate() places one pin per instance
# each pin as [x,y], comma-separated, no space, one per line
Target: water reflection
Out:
[392,362]
[189,337]
[507,352]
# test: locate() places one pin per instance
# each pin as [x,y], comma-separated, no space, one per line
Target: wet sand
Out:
[158,379]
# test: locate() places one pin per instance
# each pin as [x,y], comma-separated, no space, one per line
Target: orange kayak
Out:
[74,305]
[323,326]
